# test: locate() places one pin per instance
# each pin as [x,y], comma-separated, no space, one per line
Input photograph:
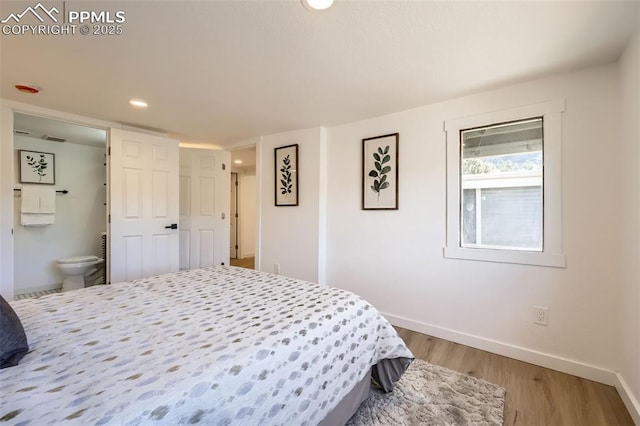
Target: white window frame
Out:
[551,254]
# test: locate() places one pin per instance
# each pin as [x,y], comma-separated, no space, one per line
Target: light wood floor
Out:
[247,262]
[535,395]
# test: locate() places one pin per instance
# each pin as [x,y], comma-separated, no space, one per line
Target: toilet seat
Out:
[78,259]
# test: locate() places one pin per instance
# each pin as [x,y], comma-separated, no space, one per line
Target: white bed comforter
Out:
[214,346]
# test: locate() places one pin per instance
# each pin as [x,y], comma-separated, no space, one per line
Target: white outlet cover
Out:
[541,315]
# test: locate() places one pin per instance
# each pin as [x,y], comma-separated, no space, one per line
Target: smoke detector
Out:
[31,89]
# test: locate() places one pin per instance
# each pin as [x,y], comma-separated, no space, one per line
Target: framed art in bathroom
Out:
[37,167]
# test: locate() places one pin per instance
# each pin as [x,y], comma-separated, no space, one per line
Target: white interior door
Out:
[204,207]
[143,204]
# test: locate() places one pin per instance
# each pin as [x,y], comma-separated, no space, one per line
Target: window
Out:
[504,186]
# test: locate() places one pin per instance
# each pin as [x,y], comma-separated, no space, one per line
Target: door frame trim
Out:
[237,245]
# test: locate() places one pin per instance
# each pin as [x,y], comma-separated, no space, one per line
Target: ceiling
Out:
[246,156]
[222,72]
[39,128]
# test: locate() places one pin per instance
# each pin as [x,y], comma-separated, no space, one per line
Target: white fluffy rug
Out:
[432,395]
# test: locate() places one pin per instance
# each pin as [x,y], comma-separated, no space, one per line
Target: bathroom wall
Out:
[80,214]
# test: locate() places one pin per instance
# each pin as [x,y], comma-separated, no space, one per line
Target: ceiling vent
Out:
[53,138]
[21,132]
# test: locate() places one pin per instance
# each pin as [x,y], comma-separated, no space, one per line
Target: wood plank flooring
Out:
[535,395]
[247,262]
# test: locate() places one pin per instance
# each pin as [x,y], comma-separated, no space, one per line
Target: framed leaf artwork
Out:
[380,172]
[37,167]
[286,175]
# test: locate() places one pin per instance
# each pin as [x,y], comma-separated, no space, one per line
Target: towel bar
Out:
[63,191]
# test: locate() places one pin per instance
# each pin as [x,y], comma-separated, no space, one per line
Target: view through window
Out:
[501,200]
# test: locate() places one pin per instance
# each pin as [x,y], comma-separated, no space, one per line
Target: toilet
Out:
[75,269]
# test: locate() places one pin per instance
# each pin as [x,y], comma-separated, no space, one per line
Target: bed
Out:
[218,346]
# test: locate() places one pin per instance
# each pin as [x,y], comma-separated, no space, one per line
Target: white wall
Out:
[80,214]
[290,236]
[394,259]
[629,155]
[247,212]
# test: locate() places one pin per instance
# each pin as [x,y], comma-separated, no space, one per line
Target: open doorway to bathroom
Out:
[74,225]
[243,198]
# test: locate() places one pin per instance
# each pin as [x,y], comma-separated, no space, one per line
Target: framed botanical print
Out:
[37,167]
[286,175]
[380,172]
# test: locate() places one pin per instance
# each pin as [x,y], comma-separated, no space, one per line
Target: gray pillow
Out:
[13,341]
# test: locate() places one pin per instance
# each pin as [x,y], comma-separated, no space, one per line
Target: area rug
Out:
[432,395]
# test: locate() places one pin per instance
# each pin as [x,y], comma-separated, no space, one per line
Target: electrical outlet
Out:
[541,315]
[276,268]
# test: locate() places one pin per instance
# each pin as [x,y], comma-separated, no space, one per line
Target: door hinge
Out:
[236,183]
[109,150]
[109,221]
[224,166]
[236,215]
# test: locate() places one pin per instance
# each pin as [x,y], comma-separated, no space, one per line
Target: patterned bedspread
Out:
[215,346]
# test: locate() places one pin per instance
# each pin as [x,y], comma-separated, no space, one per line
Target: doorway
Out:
[76,174]
[243,197]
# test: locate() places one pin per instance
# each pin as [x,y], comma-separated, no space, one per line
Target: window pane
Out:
[502,167]
[512,217]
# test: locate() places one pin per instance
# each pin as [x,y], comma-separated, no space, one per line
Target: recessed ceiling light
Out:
[317,4]
[237,161]
[138,103]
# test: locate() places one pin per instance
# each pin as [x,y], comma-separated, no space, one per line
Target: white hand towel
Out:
[36,219]
[47,200]
[30,195]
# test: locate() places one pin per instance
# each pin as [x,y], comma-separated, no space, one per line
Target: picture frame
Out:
[380,172]
[37,167]
[286,175]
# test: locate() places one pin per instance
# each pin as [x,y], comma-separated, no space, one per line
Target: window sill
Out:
[503,256]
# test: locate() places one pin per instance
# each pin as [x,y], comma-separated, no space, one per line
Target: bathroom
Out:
[79,221]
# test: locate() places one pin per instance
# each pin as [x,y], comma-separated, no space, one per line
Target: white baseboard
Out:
[245,255]
[565,365]
[630,401]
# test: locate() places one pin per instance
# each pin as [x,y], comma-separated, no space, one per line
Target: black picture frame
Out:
[286,175]
[37,167]
[380,172]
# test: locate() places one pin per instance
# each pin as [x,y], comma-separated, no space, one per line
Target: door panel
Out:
[143,193]
[207,247]
[132,256]
[207,198]
[160,193]
[185,246]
